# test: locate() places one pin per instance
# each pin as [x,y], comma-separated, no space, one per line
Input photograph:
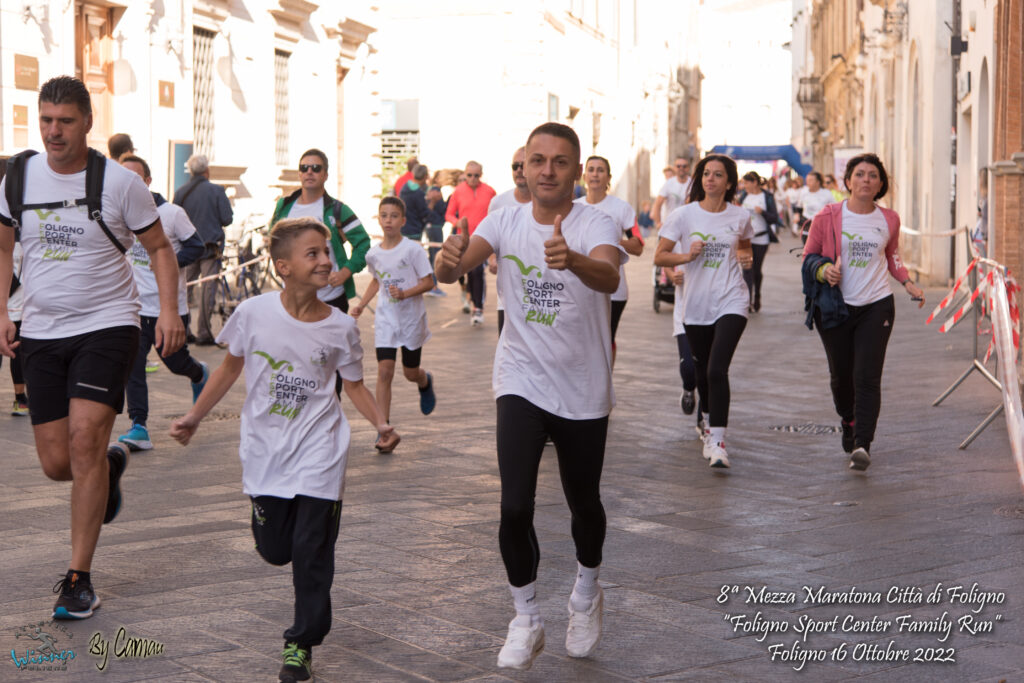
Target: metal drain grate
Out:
[807,428]
[1011,511]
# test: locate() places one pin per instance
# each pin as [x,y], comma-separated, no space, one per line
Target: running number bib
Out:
[555,350]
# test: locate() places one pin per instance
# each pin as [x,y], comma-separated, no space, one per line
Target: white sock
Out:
[717,435]
[706,419]
[585,590]
[525,600]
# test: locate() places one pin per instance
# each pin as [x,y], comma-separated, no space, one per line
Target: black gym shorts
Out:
[93,366]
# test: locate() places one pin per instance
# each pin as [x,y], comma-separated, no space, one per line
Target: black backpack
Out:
[93,200]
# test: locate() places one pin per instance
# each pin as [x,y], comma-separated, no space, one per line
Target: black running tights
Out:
[522,430]
[713,346]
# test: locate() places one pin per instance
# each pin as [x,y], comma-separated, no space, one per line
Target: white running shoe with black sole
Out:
[715,454]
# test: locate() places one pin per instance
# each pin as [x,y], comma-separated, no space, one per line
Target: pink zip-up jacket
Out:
[826,238]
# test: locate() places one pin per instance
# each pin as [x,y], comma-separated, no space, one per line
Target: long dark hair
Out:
[697,185]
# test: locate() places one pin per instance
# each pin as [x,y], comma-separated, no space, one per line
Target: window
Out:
[552,107]
[281,107]
[202,91]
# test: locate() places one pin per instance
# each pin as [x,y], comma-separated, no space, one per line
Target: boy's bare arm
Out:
[364,402]
[220,381]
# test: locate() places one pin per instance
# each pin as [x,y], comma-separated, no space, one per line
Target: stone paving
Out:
[420,592]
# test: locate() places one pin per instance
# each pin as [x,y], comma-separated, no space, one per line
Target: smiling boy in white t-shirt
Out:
[295,438]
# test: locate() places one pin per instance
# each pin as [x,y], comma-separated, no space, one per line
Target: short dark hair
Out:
[558,130]
[872,159]
[314,152]
[287,230]
[66,90]
[607,166]
[118,145]
[392,200]
[138,160]
[697,185]
[752,176]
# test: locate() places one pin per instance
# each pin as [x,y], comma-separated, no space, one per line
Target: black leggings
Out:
[753,275]
[522,430]
[713,346]
[617,308]
[687,368]
[301,530]
[476,283]
[856,353]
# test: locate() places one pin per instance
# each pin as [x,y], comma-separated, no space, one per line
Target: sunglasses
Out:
[472,175]
[315,168]
[517,165]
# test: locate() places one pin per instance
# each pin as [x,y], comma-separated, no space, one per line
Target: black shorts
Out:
[410,357]
[93,366]
[617,308]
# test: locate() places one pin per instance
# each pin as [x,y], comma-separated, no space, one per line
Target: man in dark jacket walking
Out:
[210,211]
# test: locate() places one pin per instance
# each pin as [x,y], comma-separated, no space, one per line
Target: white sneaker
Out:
[477,318]
[584,627]
[715,452]
[524,642]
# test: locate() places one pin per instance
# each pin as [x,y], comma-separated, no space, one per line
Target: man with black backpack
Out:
[78,215]
[312,200]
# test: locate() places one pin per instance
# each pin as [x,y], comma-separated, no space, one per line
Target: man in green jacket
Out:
[313,201]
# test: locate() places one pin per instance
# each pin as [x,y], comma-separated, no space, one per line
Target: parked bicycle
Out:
[246,270]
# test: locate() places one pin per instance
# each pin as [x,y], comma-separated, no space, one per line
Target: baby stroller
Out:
[664,290]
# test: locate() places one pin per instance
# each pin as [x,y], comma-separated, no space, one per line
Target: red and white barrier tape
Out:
[918,233]
[952,293]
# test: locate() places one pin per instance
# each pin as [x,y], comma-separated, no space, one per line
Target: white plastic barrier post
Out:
[1006,353]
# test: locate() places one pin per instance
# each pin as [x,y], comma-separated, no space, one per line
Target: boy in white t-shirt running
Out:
[295,438]
[552,376]
[402,270]
[188,248]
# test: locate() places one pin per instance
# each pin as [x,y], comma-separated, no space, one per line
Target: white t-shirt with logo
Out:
[399,322]
[555,349]
[316,210]
[625,217]
[295,437]
[675,194]
[865,272]
[714,280]
[814,202]
[178,229]
[757,220]
[75,279]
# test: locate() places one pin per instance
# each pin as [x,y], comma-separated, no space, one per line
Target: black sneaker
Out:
[687,402]
[297,663]
[427,398]
[117,458]
[77,598]
[848,444]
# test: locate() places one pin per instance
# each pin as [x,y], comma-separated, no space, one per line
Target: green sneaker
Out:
[298,662]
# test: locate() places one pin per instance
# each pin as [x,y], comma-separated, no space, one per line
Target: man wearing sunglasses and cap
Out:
[312,200]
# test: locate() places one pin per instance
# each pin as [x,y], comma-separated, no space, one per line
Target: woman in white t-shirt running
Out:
[855,247]
[401,269]
[813,198]
[597,174]
[715,234]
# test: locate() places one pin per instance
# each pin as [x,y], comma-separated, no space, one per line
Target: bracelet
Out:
[904,283]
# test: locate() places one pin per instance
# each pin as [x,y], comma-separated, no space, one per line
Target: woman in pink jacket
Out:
[861,240]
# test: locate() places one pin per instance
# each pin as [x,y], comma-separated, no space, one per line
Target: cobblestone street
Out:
[420,591]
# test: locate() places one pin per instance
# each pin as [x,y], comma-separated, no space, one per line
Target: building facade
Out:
[204,76]
[468,81]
